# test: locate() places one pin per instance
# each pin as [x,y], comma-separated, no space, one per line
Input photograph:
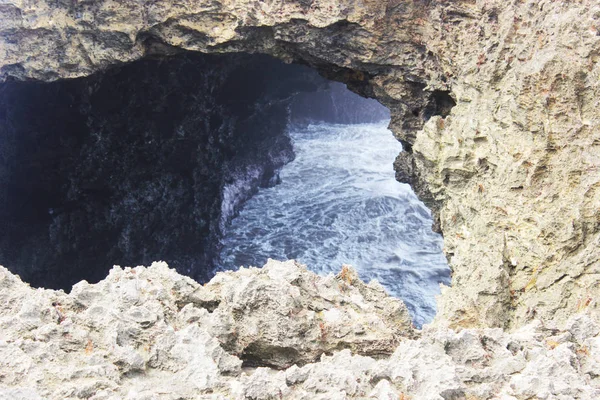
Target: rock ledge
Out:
[271,333]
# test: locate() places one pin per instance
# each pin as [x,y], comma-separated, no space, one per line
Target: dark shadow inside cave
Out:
[129,166]
[152,160]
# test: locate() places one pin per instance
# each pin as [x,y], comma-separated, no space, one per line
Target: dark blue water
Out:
[338,203]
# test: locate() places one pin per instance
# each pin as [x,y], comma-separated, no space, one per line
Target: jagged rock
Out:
[510,170]
[154,322]
[150,333]
[282,314]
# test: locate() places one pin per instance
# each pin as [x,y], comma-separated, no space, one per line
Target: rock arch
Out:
[508,170]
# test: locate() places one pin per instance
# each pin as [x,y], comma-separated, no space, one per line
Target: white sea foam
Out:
[338,203]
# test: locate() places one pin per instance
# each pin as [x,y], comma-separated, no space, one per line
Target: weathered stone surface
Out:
[150,333]
[511,170]
[282,314]
[516,162]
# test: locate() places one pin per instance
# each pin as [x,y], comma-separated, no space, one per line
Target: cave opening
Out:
[155,159]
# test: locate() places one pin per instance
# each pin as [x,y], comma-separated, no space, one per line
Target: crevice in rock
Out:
[440,103]
[255,354]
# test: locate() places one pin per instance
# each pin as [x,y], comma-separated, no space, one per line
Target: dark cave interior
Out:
[127,166]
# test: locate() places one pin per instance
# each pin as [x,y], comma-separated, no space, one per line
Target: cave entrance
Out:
[339,203]
[151,161]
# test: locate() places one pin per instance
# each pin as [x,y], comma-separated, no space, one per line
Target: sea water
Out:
[339,203]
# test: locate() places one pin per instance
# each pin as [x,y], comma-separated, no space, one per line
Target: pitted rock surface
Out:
[496,105]
[510,171]
[150,333]
[282,314]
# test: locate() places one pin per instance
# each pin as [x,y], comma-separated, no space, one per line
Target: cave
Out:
[495,105]
[98,171]
[152,161]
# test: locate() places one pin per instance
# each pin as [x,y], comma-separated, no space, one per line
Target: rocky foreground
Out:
[280,332]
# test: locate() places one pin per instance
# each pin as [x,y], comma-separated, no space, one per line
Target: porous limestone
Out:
[150,333]
[282,314]
[496,105]
[495,102]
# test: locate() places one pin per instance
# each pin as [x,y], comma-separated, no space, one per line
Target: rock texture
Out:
[516,162]
[495,103]
[150,333]
[283,315]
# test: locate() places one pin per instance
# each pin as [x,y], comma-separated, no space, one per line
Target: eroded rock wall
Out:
[516,163]
[511,170]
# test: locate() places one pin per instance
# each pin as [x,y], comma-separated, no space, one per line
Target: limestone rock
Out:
[150,333]
[156,323]
[511,171]
[495,103]
[282,314]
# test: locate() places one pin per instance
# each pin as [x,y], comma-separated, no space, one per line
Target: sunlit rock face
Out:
[276,332]
[141,163]
[511,170]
